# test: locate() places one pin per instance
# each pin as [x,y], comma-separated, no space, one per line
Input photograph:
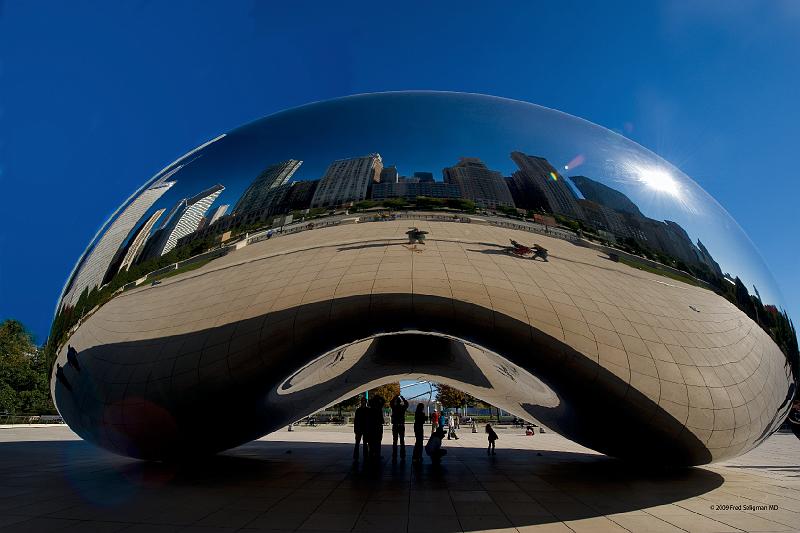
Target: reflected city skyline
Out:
[237,158]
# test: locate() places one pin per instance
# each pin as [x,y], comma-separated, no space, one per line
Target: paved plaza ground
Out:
[305,481]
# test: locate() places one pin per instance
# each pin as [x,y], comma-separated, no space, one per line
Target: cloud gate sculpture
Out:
[534,260]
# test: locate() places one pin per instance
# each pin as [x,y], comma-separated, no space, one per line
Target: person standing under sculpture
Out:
[360,425]
[375,429]
[492,436]
[451,428]
[434,421]
[399,407]
[419,432]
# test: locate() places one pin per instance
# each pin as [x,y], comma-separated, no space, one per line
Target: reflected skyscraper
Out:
[604,195]
[184,218]
[95,265]
[218,213]
[347,180]
[537,178]
[138,242]
[478,183]
[388,175]
[270,178]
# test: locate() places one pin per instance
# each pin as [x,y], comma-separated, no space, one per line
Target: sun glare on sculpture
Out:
[659,180]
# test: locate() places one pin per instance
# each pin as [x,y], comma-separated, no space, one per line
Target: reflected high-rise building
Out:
[137,243]
[347,180]
[93,269]
[537,179]
[218,213]
[411,190]
[270,178]
[388,175]
[604,195]
[601,217]
[184,219]
[611,210]
[478,183]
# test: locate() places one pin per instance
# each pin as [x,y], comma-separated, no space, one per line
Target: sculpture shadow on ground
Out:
[280,484]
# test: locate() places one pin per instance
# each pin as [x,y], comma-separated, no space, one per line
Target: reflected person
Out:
[399,407]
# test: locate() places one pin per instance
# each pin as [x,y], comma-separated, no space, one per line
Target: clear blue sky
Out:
[96,97]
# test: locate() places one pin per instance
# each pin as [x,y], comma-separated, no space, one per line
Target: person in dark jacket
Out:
[375,428]
[399,407]
[419,432]
[360,424]
[492,436]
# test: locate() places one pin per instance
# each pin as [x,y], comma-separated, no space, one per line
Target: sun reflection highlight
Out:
[660,180]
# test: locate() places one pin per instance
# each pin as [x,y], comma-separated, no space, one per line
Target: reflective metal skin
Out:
[620,317]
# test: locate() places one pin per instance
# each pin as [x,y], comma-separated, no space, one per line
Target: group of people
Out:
[368,429]
[451,421]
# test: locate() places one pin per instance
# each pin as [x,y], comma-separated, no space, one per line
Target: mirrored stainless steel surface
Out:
[539,262]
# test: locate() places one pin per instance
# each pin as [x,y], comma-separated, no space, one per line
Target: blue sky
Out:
[97,97]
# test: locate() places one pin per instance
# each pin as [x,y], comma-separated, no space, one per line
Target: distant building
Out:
[706,259]
[96,263]
[409,191]
[294,196]
[137,243]
[347,180]
[275,202]
[218,213]
[424,177]
[485,187]
[184,219]
[601,217]
[538,181]
[604,195]
[388,175]
[301,194]
[270,178]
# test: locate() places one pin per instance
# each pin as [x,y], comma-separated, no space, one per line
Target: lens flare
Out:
[575,162]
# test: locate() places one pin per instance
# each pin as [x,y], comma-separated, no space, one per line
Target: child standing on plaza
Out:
[492,438]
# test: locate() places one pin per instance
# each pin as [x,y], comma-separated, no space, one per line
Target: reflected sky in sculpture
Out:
[425,131]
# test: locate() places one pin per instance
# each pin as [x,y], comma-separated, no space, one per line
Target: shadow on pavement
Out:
[286,485]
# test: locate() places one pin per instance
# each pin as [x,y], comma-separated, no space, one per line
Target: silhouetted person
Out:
[399,407]
[419,432]
[62,378]
[72,358]
[492,438]
[360,425]
[375,429]
[434,447]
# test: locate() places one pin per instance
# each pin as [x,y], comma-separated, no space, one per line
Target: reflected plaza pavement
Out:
[50,480]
